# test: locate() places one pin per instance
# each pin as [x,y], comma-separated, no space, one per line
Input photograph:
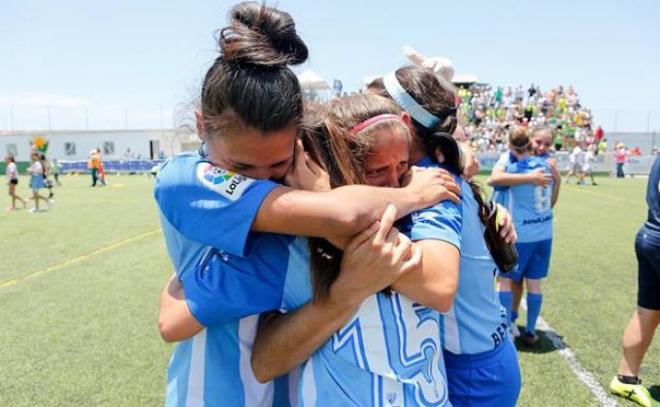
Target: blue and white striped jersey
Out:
[229,275]
[389,354]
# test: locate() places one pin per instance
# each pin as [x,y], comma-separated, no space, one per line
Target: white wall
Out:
[137,140]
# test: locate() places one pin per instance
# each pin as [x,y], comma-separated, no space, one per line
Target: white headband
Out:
[407,103]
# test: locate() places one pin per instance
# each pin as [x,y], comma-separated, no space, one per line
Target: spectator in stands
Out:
[488,111]
[599,133]
[559,141]
[12,180]
[602,145]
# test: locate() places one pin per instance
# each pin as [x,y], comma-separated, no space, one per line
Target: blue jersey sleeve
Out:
[439,222]
[208,204]
[223,288]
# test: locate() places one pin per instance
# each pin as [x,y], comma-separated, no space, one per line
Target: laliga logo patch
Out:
[226,183]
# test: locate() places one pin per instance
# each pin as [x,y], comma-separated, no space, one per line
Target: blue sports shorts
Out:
[486,379]
[533,261]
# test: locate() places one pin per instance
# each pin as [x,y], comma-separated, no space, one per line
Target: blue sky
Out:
[129,63]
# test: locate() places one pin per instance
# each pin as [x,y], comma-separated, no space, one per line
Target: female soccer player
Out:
[482,366]
[531,208]
[391,350]
[500,179]
[213,204]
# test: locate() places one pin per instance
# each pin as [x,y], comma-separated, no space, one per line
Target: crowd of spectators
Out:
[489,113]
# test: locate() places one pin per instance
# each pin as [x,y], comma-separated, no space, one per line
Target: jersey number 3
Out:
[393,337]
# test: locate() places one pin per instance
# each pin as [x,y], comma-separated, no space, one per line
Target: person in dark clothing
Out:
[642,326]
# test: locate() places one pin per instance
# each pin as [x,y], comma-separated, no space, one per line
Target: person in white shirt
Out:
[576,159]
[12,180]
[589,157]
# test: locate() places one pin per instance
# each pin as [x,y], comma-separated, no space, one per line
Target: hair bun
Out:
[262,36]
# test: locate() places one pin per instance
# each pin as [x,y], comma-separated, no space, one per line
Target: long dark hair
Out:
[250,83]
[327,136]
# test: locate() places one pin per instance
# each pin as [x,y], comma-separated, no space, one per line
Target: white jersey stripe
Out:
[195,394]
[373,337]
[309,385]
[258,394]
[294,382]
[452,337]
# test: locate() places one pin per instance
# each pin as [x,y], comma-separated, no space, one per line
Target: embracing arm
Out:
[284,341]
[371,262]
[556,177]
[345,211]
[433,284]
[175,321]
[499,177]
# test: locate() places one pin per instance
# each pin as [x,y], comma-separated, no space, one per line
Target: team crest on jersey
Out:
[226,183]
[391,398]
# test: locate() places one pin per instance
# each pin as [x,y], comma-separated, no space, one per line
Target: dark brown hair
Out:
[328,137]
[438,97]
[250,83]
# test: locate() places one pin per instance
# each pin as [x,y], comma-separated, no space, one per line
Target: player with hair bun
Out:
[213,204]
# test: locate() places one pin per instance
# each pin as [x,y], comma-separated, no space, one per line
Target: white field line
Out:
[579,371]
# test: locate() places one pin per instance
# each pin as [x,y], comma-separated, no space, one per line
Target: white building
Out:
[75,145]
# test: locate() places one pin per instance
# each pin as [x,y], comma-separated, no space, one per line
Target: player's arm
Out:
[499,177]
[437,231]
[175,321]
[345,211]
[204,212]
[435,281]
[556,178]
[372,261]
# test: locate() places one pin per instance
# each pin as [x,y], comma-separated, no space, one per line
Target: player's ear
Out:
[199,123]
[407,120]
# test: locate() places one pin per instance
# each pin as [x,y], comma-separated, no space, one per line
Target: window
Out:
[108,148]
[12,150]
[69,149]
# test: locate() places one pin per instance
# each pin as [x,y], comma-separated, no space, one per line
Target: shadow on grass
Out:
[544,345]
[655,392]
